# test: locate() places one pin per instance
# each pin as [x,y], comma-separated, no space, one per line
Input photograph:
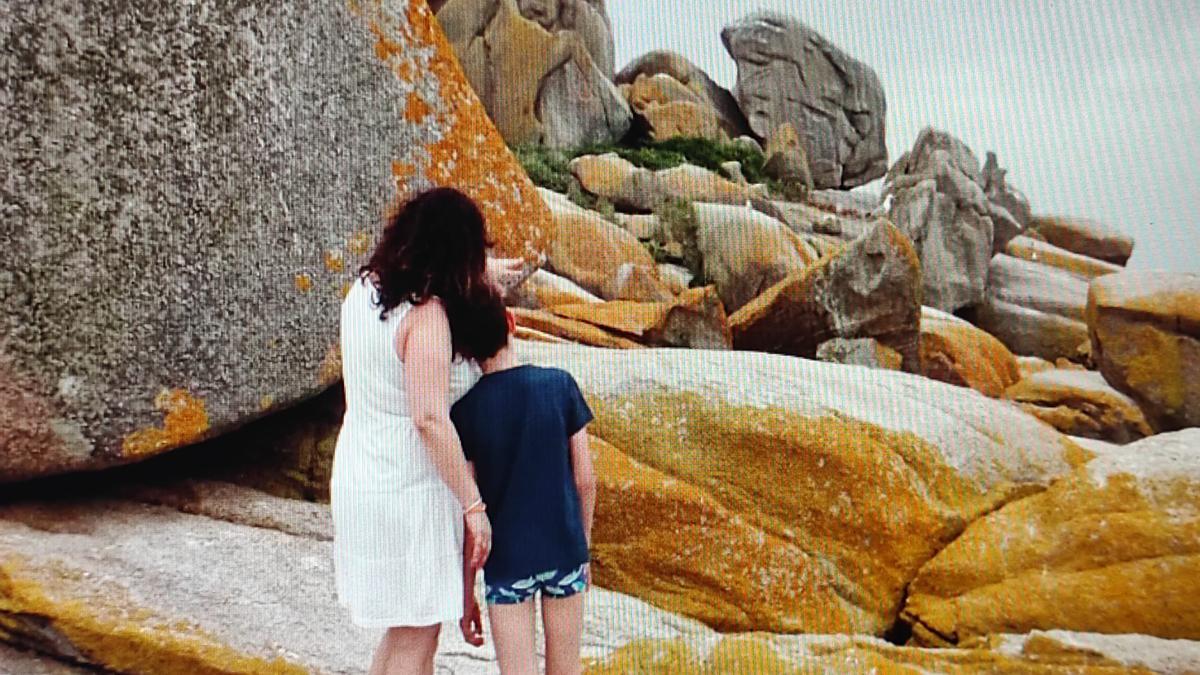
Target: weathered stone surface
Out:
[637,189]
[544,290]
[1080,403]
[695,319]
[937,202]
[786,159]
[999,192]
[745,252]
[602,258]
[1028,365]
[1035,309]
[677,277]
[870,289]
[866,352]
[1038,653]
[143,589]
[1034,250]
[15,661]
[789,73]
[1114,547]
[957,352]
[1085,237]
[678,68]
[149,302]
[882,471]
[541,67]
[671,109]
[1145,335]
[579,332]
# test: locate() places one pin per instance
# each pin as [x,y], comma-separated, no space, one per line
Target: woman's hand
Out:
[479,537]
[507,273]
[471,623]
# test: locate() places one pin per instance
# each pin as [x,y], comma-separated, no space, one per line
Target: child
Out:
[523,431]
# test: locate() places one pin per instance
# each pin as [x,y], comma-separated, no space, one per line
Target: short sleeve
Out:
[578,414]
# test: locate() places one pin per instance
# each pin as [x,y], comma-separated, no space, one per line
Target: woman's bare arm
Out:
[585,480]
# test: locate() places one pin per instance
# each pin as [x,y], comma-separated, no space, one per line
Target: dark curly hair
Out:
[435,246]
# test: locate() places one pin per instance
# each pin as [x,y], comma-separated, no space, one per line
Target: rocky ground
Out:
[924,430]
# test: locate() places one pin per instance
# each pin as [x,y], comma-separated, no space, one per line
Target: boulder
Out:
[633,188]
[24,662]
[149,302]
[881,471]
[696,319]
[546,324]
[678,68]
[129,587]
[786,161]
[602,258]
[544,290]
[676,277]
[672,110]
[869,289]
[744,252]
[956,352]
[1035,309]
[867,352]
[1114,547]
[1085,237]
[1028,365]
[1145,335]
[1080,403]
[937,202]
[1034,250]
[541,68]
[787,72]
[999,192]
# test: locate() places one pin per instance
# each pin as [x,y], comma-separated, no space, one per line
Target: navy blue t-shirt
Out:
[516,426]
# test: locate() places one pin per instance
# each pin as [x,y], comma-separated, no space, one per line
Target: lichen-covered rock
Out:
[867,352]
[1112,548]
[1085,237]
[572,330]
[881,471]
[872,288]
[132,588]
[636,189]
[787,72]
[678,68]
[671,109]
[1080,403]
[541,67]
[1035,309]
[543,290]
[938,203]
[696,319]
[786,159]
[1034,250]
[1145,335]
[954,351]
[169,265]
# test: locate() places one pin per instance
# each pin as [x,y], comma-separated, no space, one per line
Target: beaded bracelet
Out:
[477,505]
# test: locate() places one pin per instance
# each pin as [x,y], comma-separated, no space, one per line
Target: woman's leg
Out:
[513,633]
[562,621]
[407,649]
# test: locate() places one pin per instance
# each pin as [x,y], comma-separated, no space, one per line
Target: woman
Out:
[401,489]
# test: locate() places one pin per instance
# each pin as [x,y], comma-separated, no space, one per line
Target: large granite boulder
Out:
[999,192]
[872,288]
[1080,403]
[826,485]
[938,203]
[175,256]
[1114,547]
[671,110]
[1036,250]
[542,68]
[788,72]
[1145,336]
[954,351]
[696,319]
[634,188]
[1035,309]
[1086,237]
[679,69]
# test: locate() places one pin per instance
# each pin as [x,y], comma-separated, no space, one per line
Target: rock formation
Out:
[787,72]
[679,69]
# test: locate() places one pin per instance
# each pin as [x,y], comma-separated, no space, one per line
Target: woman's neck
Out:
[503,360]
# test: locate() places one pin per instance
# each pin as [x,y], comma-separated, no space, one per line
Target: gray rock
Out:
[937,201]
[867,352]
[15,661]
[190,187]
[733,171]
[577,106]
[1035,309]
[789,73]
[679,67]
[1000,193]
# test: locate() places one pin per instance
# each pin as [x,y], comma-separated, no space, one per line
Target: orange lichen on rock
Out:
[956,352]
[334,261]
[469,153]
[110,629]
[331,366]
[570,329]
[303,282]
[185,422]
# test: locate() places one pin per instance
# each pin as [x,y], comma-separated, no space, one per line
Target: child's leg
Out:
[562,621]
[513,633]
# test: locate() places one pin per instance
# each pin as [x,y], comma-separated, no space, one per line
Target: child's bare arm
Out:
[585,479]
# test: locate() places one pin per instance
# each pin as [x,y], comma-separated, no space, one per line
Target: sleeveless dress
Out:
[398,531]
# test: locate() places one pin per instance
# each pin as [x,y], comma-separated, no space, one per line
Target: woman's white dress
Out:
[398,529]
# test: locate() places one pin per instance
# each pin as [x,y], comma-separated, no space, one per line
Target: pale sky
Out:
[1092,106]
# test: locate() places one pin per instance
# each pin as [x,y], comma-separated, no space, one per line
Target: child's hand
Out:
[471,623]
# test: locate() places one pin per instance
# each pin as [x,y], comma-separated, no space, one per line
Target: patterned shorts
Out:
[550,583]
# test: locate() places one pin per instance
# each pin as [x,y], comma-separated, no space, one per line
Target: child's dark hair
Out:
[480,326]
